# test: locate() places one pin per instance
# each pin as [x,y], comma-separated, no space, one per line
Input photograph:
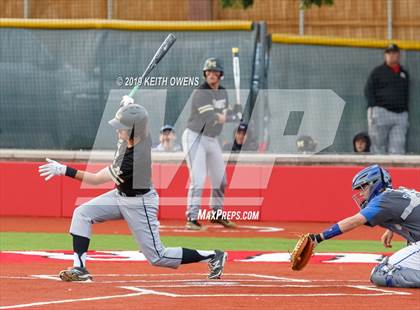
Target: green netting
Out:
[345,71]
[54,84]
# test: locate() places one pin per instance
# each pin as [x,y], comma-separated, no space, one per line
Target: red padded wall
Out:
[293,193]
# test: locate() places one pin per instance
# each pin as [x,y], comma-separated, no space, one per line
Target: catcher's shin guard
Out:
[388,275]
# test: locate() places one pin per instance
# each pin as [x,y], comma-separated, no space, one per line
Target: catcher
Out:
[396,210]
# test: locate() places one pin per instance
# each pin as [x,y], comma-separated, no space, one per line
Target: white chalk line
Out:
[232,284]
[276,278]
[44,303]
[202,276]
[241,229]
[17,278]
[144,290]
[377,289]
[46,277]
[257,276]
[237,282]
[153,292]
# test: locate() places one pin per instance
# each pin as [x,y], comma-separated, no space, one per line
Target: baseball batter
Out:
[209,111]
[133,200]
[396,210]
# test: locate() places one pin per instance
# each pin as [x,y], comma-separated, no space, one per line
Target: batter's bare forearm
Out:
[93,178]
[87,177]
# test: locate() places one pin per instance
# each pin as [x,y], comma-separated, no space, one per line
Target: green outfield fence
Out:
[56,76]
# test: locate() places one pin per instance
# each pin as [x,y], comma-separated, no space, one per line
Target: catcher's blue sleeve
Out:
[375,212]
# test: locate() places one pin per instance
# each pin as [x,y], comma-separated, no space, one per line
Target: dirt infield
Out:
[139,285]
[34,284]
[176,228]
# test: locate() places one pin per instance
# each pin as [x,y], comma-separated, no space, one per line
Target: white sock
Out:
[79,261]
[206,254]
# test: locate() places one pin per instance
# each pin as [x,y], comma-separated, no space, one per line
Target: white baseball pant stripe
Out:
[408,257]
[402,269]
[140,213]
[204,157]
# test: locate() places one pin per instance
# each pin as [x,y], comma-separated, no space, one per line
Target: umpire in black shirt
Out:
[386,92]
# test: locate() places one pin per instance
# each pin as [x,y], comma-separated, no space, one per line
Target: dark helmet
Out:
[213,64]
[132,117]
[376,177]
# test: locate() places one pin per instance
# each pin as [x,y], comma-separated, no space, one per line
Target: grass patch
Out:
[10,241]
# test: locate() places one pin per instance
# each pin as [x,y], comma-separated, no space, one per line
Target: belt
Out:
[137,193]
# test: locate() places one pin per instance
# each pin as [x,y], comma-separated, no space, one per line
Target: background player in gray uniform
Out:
[398,211]
[133,200]
[209,111]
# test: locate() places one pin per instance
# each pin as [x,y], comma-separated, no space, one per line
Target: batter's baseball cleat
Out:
[216,264]
[193,225]
[223,221]
[75,274]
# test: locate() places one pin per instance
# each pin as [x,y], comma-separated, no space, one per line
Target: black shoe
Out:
[216,264]
[75,274]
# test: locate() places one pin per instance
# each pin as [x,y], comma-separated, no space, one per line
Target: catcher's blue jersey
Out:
[397,210]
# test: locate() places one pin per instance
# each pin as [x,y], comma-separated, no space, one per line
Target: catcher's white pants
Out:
[141,215]
[402,269]
[408,257]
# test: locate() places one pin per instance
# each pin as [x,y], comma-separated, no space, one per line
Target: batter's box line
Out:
[239,284]
[201,282]
[65,301]
[250,275]
[380,292]
[258,277]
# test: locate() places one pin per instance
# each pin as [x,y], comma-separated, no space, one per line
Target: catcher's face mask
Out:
[361,196]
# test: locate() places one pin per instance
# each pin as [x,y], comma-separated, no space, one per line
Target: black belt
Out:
[139,192]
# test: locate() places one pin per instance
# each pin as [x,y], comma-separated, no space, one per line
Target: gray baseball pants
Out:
[141,215]
[387,130]
[204,157]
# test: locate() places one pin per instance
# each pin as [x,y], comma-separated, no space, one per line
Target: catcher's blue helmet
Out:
[376,177]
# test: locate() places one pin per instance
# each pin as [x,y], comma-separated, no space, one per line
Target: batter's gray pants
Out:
[402,269]
[204,157]
[387,130]
[140,213]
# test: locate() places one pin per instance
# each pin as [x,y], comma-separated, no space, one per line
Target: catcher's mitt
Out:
[302,252]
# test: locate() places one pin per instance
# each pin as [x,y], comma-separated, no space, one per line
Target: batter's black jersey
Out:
[206,103]
[131,169]
[397,210]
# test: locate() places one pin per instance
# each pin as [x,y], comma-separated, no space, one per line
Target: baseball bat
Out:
[160,53]
[236,74]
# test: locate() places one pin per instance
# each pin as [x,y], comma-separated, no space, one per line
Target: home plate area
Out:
[192,285]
